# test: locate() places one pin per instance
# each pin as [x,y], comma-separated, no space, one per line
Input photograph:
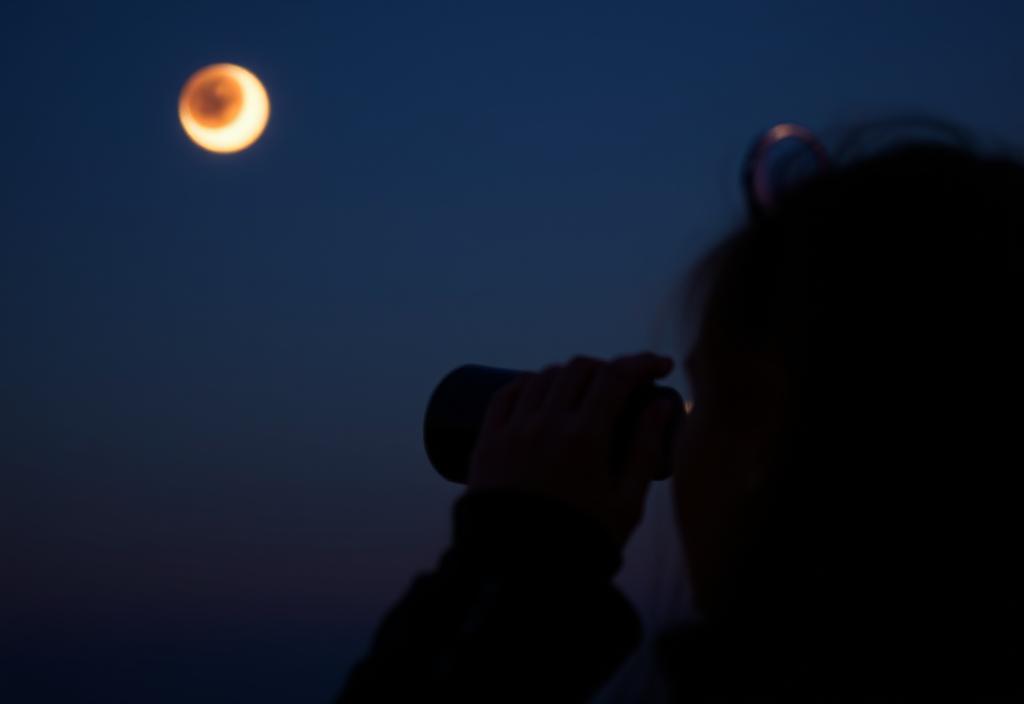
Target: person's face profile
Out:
[718,452]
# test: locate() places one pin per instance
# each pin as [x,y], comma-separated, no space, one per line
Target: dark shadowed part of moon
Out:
[215,101]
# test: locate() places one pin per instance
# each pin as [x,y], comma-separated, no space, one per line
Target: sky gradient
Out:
[214,367]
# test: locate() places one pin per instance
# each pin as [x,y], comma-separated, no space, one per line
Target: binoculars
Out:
[457,407]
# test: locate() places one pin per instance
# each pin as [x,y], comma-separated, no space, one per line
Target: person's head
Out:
[850,461]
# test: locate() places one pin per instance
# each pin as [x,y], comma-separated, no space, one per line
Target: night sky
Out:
[214,368]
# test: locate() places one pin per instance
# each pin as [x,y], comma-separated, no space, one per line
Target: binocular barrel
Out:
[457,407]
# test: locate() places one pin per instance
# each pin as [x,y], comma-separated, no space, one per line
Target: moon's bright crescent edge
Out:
[245,129]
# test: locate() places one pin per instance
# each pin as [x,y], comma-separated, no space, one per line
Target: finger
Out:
[570,386]
[535,391]
[616,381]
[503,403]
[650,453]
[645,458]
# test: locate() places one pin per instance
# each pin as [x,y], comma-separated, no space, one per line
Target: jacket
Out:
[522,603]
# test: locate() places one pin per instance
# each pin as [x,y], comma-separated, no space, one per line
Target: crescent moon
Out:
[223,108]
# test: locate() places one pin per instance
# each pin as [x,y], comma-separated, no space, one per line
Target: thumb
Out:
[648,458]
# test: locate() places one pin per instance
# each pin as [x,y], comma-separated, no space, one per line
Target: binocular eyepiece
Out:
[457,407]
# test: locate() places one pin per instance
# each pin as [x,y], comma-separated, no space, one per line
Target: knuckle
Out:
[581,361]
[525,380]
[543,376]
[618,371]
[507,389]
[505,392]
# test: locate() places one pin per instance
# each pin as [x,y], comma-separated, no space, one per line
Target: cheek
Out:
[704,460]
[690,464]
[693,502]
[688,446]
[706,504]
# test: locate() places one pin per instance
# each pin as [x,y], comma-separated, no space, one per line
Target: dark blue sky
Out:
[214,368]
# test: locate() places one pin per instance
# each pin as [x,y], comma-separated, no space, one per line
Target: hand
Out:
[551,433]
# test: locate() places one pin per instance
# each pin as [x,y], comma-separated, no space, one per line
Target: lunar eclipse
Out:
[223,108]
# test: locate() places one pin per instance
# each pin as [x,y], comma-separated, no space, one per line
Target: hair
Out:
[889,287]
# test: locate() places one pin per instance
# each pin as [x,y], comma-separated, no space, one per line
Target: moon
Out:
[223,108]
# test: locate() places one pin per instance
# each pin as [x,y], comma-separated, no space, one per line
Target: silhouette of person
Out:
[845,484]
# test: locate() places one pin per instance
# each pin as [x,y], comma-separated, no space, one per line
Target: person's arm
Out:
[521,608]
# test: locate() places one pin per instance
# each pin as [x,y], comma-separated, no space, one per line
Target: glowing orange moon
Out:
[223,108]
